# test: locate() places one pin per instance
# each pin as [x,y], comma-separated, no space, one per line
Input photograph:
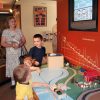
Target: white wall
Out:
[27,20]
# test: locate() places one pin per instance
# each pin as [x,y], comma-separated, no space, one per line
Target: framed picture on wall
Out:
[40,16]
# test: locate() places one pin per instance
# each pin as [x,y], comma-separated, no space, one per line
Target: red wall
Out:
[80,47]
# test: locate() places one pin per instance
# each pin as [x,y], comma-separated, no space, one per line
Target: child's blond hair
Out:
[20,73]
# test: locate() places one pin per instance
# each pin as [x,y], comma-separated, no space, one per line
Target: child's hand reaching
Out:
[45,85]
[38,84]
[35,69]
[35,62]
[38,70]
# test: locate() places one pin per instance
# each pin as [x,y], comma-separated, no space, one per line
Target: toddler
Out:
[29,62]
[22,76]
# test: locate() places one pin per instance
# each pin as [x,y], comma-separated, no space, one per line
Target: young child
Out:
[24,85]
[29,62]
[38,51]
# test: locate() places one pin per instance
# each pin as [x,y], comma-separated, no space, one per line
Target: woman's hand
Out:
[22,41]
[15,45]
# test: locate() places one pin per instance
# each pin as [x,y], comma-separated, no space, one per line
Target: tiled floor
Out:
[6,93]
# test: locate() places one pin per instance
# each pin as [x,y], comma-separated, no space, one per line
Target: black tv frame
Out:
[77,25]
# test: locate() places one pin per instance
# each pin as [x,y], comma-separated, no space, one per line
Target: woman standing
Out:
[12,39]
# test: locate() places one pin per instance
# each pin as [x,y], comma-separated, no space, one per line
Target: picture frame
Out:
[40,16]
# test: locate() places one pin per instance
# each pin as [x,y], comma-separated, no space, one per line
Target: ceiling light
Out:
[17,0]
[10,10]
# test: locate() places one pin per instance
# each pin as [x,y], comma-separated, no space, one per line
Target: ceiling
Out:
[10,1]
[6,1]
[7,4]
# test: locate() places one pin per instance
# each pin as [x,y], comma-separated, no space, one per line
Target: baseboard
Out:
[4,82]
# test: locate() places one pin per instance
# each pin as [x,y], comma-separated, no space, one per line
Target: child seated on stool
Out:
[24,85]
[38,51]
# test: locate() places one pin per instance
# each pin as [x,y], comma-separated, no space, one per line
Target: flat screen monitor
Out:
[83,15]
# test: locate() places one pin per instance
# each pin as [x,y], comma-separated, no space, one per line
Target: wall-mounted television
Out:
[83,15]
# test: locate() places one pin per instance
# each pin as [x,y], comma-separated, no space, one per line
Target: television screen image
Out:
[83,10]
